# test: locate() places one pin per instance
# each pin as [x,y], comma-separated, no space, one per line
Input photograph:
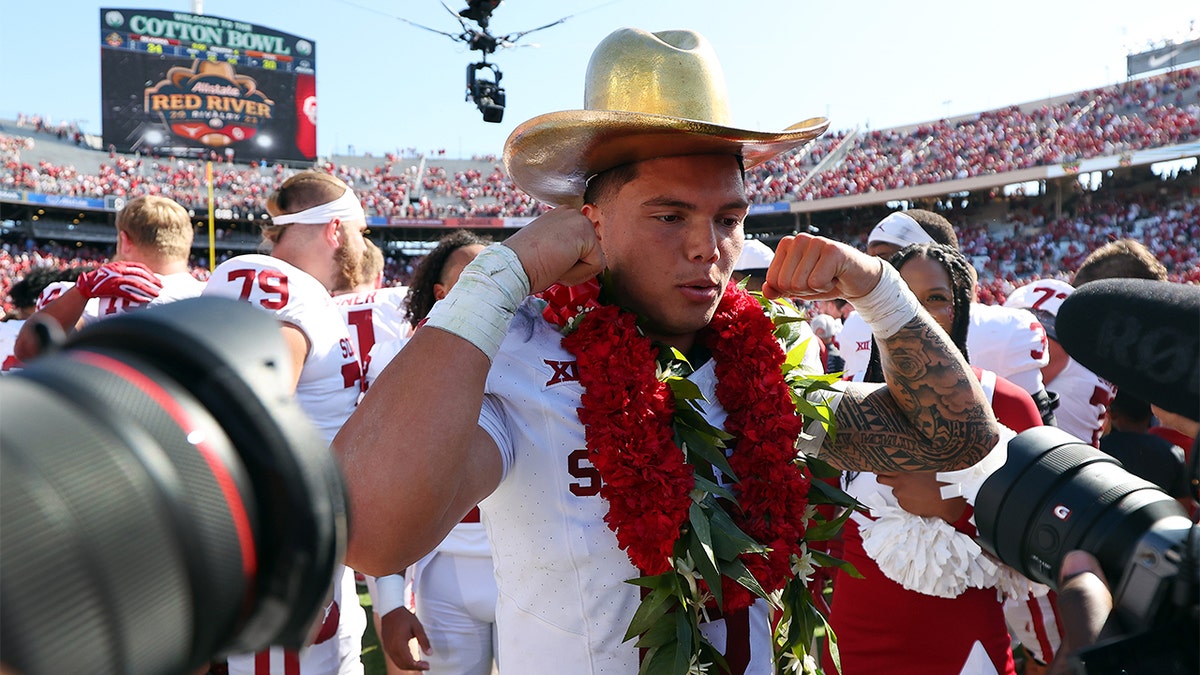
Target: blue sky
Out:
[383,84]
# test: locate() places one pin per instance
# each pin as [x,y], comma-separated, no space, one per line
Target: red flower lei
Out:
[628,412]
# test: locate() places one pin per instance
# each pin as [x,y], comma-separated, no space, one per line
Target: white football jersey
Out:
[174,287]
[563,602]
[331,380]
[328,391]
[373,317]
[1083,399]
[1009,341]
[1083,396]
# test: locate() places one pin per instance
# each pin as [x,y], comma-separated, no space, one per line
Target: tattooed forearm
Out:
[932,415]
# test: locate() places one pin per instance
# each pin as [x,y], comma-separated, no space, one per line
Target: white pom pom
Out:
[929,556]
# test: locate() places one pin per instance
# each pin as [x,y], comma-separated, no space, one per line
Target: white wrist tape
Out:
[389,594]
[889,305]
[484,300]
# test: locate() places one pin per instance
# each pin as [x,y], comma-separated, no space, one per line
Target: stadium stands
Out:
[1011,238]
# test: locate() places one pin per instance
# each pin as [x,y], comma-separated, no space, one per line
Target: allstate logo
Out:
[304,47]
[114,19]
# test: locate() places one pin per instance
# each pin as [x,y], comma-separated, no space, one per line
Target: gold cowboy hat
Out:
[647,95]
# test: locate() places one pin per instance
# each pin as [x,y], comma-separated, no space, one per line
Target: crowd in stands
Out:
[1157,111]
[1166,219]
[1170,228]
[392,189]
[42,125]
[1153,112]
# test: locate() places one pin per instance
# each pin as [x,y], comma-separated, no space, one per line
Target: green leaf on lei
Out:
[700,546]
[660,601]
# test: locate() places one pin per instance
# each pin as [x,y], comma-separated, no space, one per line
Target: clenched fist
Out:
[815,268]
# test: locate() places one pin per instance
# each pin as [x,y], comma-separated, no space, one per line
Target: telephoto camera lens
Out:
[1057,494]
[164,500]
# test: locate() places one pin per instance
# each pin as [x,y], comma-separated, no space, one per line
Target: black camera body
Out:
[1056,494]
[164,499]
[487,94]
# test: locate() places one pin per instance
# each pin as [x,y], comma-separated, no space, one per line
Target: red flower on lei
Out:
[627,413]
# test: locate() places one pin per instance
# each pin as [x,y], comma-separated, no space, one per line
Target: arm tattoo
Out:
[931,416]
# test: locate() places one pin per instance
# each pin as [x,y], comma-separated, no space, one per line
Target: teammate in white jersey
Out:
[663,200]
[1012,342]
[375,313]
[316,237]
[154,239]
[1083,396]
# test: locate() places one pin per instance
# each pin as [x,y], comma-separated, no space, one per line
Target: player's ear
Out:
[333,232]
[122,242]
[593,213]
[440,290]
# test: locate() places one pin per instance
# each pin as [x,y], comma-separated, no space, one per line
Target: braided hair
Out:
[962,285]
[429,272]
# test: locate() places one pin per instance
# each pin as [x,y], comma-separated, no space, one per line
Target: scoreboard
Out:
[191,85]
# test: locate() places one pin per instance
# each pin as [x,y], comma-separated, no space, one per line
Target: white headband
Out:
[345,207]
[900,229]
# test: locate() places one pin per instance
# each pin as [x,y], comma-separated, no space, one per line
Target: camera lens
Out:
[1056,494]
[164,501]
[138,504]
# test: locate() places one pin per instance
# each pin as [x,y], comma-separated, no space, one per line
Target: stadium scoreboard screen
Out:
[187,84]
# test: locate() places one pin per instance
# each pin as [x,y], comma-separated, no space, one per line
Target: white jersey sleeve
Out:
[331,380]
[1010,342]
[91,309]
[854,343]
[381,355]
